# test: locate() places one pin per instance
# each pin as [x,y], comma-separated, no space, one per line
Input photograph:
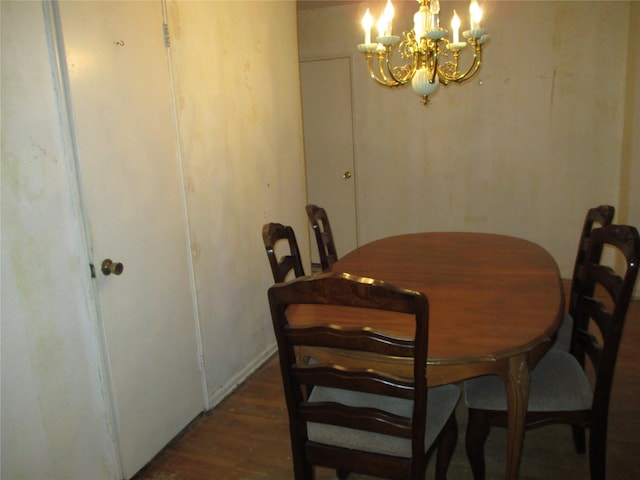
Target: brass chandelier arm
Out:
[401,74]
[383,61]
[387,75]
[409,49]
[449,71]
[382,79]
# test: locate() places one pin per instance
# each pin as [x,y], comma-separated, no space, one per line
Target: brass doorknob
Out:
[346,175]
[109,267]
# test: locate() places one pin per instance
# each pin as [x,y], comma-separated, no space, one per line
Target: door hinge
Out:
[165,31]
[201,361]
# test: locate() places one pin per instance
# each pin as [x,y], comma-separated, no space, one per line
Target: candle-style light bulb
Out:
[388,16]
[382,25]
[475,14]
[367,22]
[434,8]
[455,25]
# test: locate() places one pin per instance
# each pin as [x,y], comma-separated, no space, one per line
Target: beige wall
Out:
[545,130]
[240,123]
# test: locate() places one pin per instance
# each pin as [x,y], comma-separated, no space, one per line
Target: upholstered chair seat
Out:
[558,383]
[442,402]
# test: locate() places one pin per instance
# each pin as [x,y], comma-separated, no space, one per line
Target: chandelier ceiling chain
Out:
[431,58]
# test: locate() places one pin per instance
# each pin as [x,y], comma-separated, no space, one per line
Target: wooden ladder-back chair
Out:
[324,237]
[359,416]
[600,216]
[560,391]
[272,233]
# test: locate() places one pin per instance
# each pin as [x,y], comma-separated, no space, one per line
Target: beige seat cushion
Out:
[441,403]
[563,338]
[558,383]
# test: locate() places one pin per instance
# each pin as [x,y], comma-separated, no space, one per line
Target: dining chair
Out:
[272,233]
[349,410]
[600,216]
[560,390]
[324,237]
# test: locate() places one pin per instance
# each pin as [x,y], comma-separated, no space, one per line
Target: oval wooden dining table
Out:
[495,304]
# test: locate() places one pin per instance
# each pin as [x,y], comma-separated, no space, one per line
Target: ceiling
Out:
[306,4]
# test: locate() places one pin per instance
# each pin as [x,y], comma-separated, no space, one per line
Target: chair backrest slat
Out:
[324,236]
[358,418]
[272,233]
[353,380]
[362,339]
[599,216]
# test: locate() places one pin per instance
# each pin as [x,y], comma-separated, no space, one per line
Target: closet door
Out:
[328,146]
[122,107]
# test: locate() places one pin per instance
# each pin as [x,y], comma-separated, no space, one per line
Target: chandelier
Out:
[430,57]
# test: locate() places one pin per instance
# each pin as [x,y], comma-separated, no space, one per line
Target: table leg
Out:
[517,387]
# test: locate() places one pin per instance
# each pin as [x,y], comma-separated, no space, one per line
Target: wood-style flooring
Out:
[246,436]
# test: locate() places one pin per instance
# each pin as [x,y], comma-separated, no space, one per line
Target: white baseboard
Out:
[228,387]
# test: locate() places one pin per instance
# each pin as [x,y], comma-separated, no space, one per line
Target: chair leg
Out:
[446,446]
[579,441]
[342,474]
[598,452]
[303,471]
[477,432]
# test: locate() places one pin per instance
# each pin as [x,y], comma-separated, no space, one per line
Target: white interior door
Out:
[328,146]
[121,98]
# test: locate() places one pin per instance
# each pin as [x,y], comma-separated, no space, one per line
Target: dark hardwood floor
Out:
[246,436]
